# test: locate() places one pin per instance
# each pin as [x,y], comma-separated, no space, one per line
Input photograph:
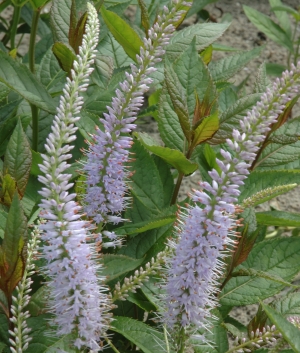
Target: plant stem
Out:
[181,341]
[177,187]
[14,26]
[166,339]
[179,179]
[111,344]
[34,25]
[31,55]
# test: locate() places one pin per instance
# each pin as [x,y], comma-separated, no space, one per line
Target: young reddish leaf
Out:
[75,37]
[17,159]
[8,189]
[12,254]
[123,33]
[207,128]
[73,22]
[64,55]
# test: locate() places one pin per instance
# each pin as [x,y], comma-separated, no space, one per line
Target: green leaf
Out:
[12,260]
[173,157]
[8,189]
[168,123]
[141,227]
[17,159]
[204,34]
[262,81]
[111,48]
[150,243]
[64,55]
[122,32]
[166,177]
[289,332]
[275,69]
[143,336]
[276,154]
[36,160]
[278,218]
[38,302]
[278,256]
[230,118]
[60,20]
[178,98]
[194,78]
[230,65]
[206,130]
[44,343]
[38,3]
[269,27]
[281,12]
[103,71]
[288,305]
[18,78]
[50,73]
[141,301]
[3,218]
[261,180]
[146,173]
[262,274]
[117,265]
[199,5]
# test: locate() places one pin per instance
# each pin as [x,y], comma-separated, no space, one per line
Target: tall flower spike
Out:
[78,302]
[19,336]
[108,155]
[205,231]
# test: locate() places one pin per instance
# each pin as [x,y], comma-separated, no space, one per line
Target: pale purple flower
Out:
[77,300]
[109,154]
[205,229]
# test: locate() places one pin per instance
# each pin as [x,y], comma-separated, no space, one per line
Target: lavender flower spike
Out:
[78,301]
[108,155]
[204,231]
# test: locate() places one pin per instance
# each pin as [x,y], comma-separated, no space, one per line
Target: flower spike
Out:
[78,302]
[206,231]
[108,155]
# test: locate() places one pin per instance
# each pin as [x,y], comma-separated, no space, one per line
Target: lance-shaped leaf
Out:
[278,218]
[8,188]
[18,159]
[60,19]
[178,98]
[206,129]
[75,37]
[269,27]
[64,55]
[176,158]
[289,332]
[122,32]
[12,257]
[18,77]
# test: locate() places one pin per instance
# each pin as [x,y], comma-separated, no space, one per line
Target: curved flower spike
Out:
[108,155]
[206,230]
[77,300]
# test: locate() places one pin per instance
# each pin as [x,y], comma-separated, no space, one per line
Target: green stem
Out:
[34,25]
[297,49]
[181,341]
[111,345]
[166,339]
[31,56]
[14,26]
[177,187]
